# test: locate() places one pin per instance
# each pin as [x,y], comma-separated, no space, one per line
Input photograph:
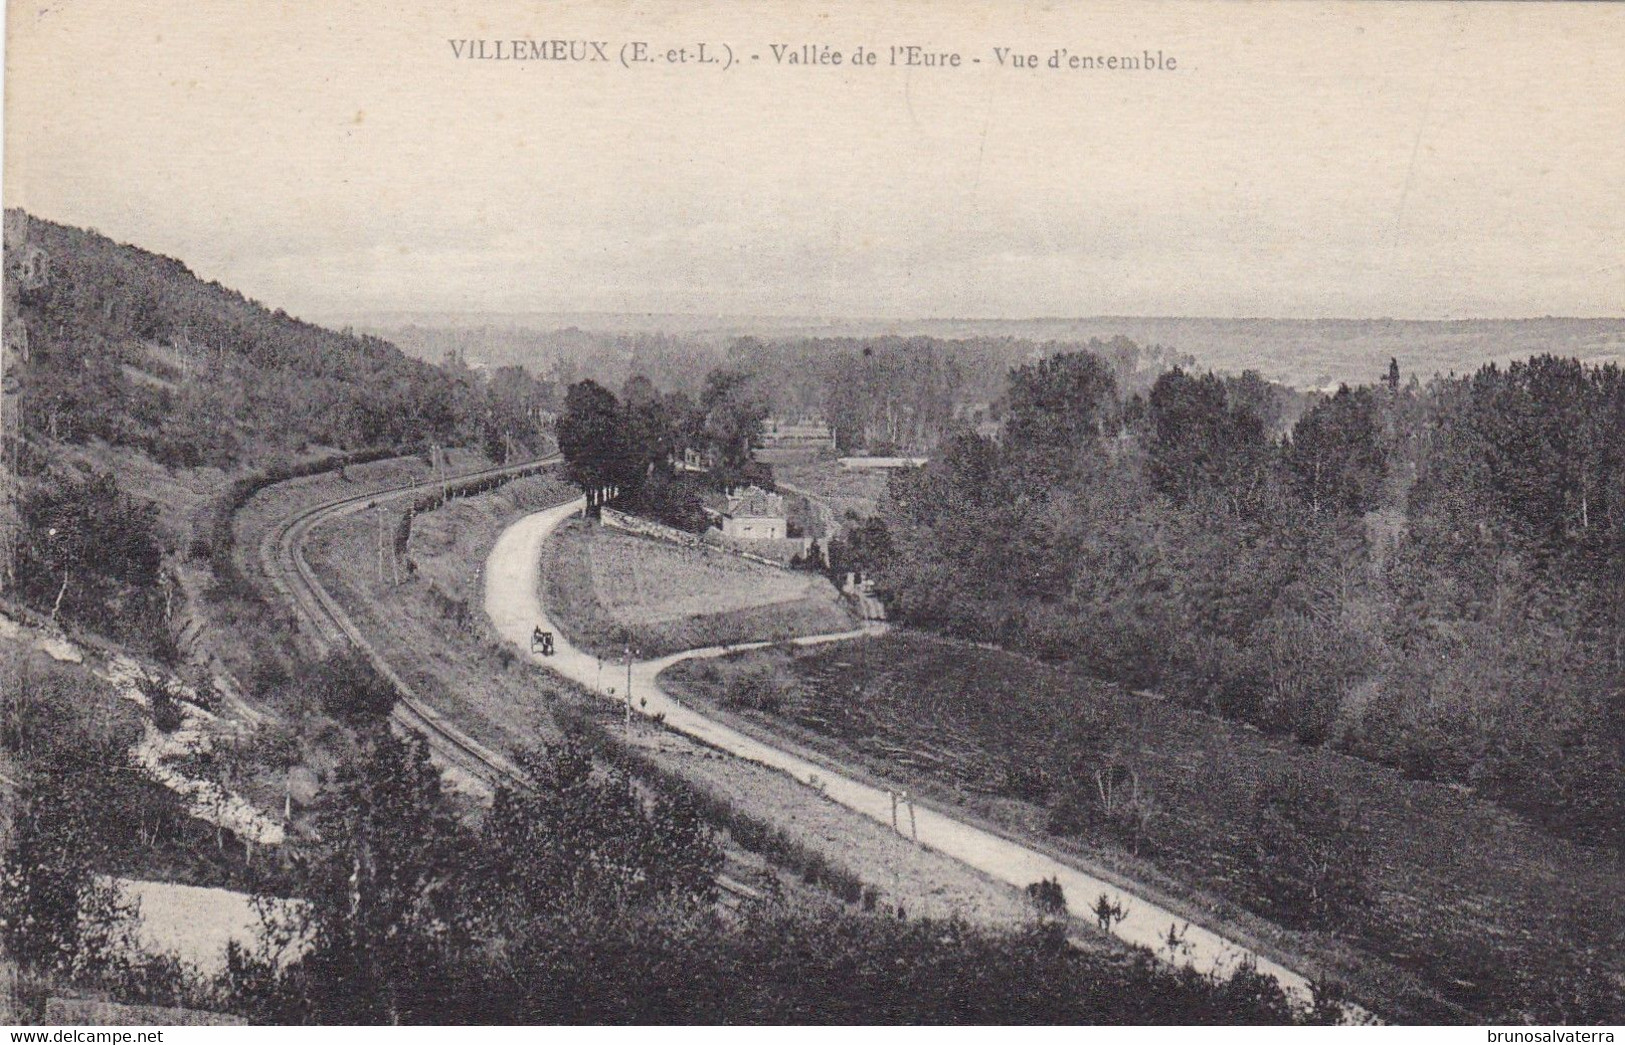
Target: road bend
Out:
[512,600]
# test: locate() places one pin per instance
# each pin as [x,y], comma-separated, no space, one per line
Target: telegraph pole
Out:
[379,511]
[629,691]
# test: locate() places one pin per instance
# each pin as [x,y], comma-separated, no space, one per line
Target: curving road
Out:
[513,602]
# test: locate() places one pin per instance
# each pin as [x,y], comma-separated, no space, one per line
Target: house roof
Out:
[755,503]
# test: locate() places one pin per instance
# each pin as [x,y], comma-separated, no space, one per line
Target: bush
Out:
[351,691]
[1047,896]
[166,710]
[87,552]
[676,501]
[1108,798]
[756,835]
[756,688]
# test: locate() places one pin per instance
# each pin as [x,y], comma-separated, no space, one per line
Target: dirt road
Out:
[513,602]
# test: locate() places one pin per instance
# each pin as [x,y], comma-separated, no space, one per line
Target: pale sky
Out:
[1304,159]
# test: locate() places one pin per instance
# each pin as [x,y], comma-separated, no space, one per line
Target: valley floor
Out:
[1478,913]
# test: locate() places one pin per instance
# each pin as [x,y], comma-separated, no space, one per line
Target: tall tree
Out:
[734,409]
[1335,453]
[383,917]
[1201,445]
[1060,405]
[593,439]
[651,427]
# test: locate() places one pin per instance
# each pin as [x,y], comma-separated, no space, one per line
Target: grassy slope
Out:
[432,641]
[449,544]
[1476,905]
[606,588]
[144,353]
[178,387]
[232,637]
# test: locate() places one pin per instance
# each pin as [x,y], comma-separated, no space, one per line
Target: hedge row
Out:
[751,832]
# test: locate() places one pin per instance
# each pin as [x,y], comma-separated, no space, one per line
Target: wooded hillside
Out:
[1431,576]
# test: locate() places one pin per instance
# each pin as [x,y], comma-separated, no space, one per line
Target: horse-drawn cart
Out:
[541,642]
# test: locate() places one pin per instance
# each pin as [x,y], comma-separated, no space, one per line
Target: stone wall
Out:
[714,540]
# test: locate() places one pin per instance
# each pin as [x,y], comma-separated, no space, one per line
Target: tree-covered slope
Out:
[119,344]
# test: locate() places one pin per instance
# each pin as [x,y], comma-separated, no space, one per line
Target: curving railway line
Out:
[324,624]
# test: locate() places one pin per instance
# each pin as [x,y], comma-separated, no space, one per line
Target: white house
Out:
[754,513]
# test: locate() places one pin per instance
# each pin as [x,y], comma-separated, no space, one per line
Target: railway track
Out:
[324,624]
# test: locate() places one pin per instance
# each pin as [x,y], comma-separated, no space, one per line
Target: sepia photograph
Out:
[812,513]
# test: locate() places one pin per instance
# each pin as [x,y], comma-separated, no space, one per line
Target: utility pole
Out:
[903,798]
[31,272]
[629,691]
[379,512]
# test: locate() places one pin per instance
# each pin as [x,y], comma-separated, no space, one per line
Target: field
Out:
[1477,914]
[607,589]
[842,489]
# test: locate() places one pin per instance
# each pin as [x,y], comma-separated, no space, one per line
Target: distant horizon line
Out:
[337,316]
[327,316]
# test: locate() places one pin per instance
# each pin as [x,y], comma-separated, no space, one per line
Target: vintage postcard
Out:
[813,513]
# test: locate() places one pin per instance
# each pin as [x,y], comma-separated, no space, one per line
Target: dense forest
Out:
[1430,576]
[880,392]
[894,394]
